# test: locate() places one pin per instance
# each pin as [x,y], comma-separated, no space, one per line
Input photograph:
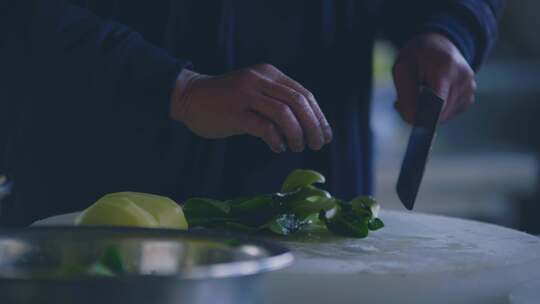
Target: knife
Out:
[429,109]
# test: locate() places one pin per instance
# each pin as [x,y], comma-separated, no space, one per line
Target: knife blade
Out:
[428,111]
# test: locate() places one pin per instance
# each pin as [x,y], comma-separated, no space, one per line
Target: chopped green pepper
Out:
[299,204]
[299,178]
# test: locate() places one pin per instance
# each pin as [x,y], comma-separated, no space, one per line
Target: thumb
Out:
[406,82]
[441,86]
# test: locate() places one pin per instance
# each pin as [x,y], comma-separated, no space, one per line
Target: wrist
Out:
[460,29]
[180,100]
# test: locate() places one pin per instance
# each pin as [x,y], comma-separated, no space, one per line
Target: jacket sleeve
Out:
[470,24]
[141,75]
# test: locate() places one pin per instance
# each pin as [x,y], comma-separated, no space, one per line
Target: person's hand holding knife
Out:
[433,82]
[434,60]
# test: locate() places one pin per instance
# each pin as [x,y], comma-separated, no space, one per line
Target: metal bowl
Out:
[164,266]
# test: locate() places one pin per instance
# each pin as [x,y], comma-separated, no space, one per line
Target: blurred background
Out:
[485,163]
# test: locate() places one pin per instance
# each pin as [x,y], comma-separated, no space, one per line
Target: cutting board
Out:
[416,258]
[528,293]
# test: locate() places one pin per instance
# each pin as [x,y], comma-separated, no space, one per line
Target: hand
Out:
[258,100]
[435,60]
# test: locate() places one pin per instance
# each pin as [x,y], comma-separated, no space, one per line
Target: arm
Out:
[441,43]
[471,25]
[260,100]
[143,75]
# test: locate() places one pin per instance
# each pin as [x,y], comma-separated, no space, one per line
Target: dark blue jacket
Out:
[84,100]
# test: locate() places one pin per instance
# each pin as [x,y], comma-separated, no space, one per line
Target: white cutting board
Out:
[528,293]
[416,258]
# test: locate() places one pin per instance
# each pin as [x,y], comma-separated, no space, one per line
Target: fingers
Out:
[258,126]
[405,80]
[434,59]
[449,104]
[281,105]
[291,83]
[283,117]
[441,86]
[461,97]
[300,106]
[279,86]
[327,129]
[321,121]
[455,84]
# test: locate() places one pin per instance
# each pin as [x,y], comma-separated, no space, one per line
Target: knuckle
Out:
[467,73]
[247,75]
[252,73]
[297,98]
[473,85]
[264,67]
[310,95]
[441,85]
[267,129]
[447,67]
[282,110]
[446,59]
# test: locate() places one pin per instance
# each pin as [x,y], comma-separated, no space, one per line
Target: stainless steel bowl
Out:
[164,266]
